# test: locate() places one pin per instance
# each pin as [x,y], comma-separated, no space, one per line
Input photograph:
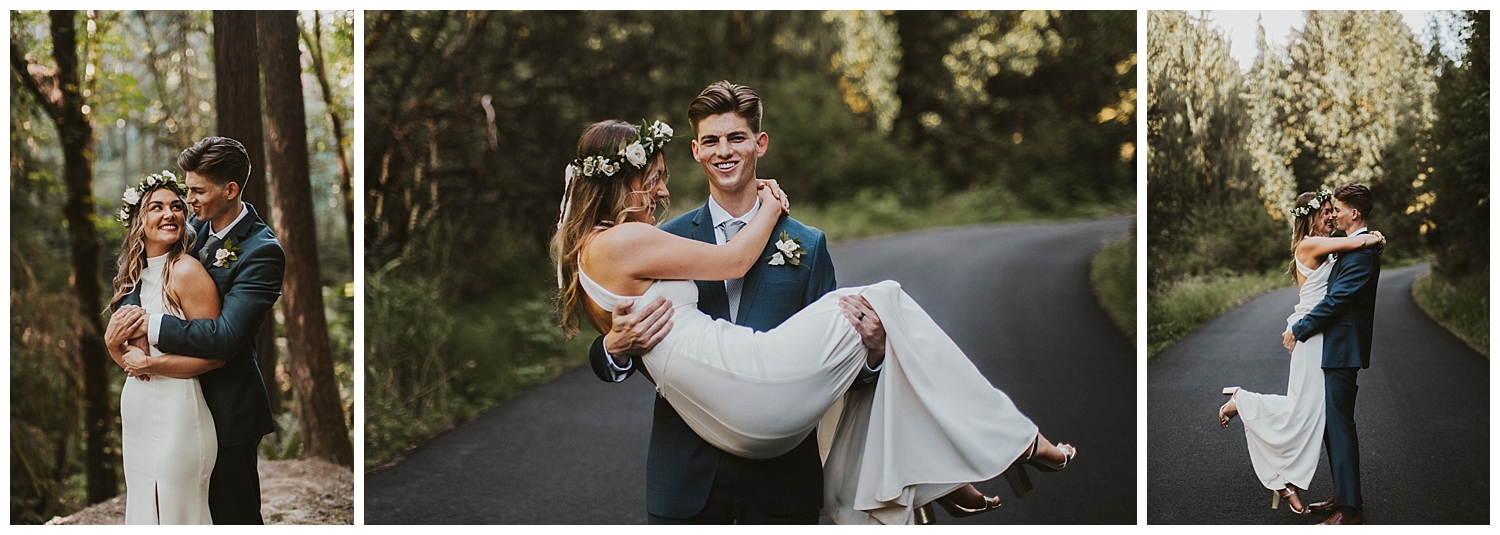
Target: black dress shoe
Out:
[1324,507]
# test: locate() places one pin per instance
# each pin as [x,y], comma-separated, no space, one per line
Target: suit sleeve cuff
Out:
[153,329]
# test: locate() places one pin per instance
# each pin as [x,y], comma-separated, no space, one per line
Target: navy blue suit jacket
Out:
[1346,315]
[235,393]
[681,466]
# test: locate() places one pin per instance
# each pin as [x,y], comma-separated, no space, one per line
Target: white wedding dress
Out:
[1284,432]
[167,435]
[931,424]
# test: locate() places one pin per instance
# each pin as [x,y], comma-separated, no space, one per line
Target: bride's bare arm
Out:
[643,252]
[1320,247]
[195,290]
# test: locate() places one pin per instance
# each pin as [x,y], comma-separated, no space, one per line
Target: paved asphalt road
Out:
[1422,411]
[1015,298]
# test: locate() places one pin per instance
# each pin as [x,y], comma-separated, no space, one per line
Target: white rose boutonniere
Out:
[788,251]
[226,254]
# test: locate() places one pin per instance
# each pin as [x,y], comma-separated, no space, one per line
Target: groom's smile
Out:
[727,149]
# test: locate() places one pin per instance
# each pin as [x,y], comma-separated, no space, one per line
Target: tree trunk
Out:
[324,434]
[315,47]
[59,95]
[237,106]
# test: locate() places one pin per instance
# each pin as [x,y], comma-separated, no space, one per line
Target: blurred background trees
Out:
[1351,97]
[928,117]
[146,85]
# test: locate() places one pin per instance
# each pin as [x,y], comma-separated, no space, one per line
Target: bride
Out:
[931,425]
[1283,432]
[166,432]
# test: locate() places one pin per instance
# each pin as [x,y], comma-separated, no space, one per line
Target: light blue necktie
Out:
[732,287]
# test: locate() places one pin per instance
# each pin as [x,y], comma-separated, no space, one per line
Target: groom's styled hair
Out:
[724,97]
[1356,196]
[219,159]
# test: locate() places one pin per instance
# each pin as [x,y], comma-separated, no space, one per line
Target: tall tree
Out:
[324,433]
[1459,184]
[314,41]
[59,90]
[237,100]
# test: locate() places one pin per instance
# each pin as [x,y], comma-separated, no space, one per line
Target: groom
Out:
[689,481]
[1346,317]
[246,264]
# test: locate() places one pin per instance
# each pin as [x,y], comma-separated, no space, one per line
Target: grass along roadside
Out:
[1179,307]
[1460,305]
[1112,274]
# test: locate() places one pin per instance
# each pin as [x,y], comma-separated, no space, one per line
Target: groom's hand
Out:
[867,323]
[634,332]
[123,324]
[1288,340]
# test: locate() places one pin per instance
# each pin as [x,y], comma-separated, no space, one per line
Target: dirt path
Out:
[291,492]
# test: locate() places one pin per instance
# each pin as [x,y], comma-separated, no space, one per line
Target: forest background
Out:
[1351,97]
[100,99]
[879,122]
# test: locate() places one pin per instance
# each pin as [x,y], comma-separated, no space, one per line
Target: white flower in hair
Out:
[131,197]
[608,167]
[169,175]
[661,129]
[589,166]
[635,154]
[1314,204]
[124,215]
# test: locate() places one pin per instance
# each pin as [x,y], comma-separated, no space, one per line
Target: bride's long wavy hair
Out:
[593,202]
[132,259]
[1301,228]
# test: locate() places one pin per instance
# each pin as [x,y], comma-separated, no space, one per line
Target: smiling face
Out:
[727,149]
[649,189]
[210,201]
[162,217]
[1323,222]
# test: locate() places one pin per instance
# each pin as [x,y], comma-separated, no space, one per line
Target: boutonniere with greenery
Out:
[788,251]
[226,254]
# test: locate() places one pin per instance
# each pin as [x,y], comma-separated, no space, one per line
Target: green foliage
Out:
[286,441]
[1112,274]
[1458,219]
[1460,305]
[1174,310]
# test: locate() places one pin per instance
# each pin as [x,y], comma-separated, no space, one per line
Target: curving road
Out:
[1015,298]
[1422,411]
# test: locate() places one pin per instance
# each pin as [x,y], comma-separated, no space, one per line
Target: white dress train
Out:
[931,424]
[1284,433]
[166,434]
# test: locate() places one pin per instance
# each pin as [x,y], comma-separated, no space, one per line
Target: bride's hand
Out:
[136,362]
[1379,245]
[770,192]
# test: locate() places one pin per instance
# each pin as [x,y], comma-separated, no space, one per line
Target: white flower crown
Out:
[1317,202]
[132,196]
[635,151]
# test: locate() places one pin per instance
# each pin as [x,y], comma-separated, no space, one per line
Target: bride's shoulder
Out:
[186,268]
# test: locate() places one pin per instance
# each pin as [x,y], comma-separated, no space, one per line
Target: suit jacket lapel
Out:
[712,299]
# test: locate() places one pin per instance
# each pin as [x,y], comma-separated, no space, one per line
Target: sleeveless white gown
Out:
[931,424]
[167,435]
[1284,433]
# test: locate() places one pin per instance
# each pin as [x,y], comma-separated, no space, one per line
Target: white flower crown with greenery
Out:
[634,151]
[133,195]
[1317,202]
